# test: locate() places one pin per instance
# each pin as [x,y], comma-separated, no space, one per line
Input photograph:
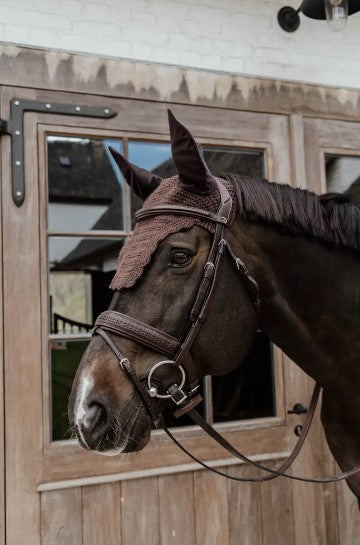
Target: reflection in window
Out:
[86,193]
[84,185]
[81,270]
[153,156]
[65,356]
[246,392]
[235,161]
[343,176]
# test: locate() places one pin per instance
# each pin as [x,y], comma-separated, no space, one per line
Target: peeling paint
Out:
[83,73]
[53,59]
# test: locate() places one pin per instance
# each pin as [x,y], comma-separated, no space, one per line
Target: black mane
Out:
[330,217]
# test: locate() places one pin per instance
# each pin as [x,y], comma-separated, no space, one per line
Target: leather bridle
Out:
[187,398]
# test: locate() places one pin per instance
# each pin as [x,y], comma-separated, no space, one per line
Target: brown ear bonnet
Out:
[194,187]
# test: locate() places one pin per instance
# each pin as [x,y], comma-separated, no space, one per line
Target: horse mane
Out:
[330,217]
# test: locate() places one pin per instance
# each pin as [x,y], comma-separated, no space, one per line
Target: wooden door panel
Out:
[61,518]
[324,137]
[176,506]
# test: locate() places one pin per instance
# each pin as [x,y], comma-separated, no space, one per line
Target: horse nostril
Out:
[95,418]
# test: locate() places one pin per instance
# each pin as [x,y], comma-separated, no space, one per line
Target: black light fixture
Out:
[334,11]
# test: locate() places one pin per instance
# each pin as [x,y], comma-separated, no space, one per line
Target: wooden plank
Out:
[277,511]
[176,502]
[24,66]
[348,516]
[101,514]
[244,508]
[22,342]
[2,415]
[61,517]
[307,501]
[211,508]
[140,512]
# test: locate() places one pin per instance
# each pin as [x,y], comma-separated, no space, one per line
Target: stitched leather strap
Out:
[178,210]
[137,331]
[125,365]
[272,473]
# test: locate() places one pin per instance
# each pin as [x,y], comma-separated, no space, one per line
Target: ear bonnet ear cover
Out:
[137,252]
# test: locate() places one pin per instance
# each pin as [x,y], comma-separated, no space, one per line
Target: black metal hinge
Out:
[15,128]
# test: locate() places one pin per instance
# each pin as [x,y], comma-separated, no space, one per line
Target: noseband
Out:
[185,395]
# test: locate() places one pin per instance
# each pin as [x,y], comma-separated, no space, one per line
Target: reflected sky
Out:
[149,155]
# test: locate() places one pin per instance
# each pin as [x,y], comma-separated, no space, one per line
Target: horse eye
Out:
[180,259]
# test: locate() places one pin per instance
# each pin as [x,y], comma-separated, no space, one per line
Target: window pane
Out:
[65,357]
[247,392]
[153,156]
[81,270]
[343,176]
[86,190]
[237,161]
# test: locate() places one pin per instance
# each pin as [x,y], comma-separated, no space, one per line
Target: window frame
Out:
[57,454]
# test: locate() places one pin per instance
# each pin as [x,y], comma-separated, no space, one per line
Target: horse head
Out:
[158,279]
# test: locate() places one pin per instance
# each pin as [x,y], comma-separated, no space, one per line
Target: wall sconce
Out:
[334,11]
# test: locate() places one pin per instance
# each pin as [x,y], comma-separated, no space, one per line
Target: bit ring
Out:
[159,364]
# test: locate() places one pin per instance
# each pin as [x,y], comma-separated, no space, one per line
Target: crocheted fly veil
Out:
[194,187]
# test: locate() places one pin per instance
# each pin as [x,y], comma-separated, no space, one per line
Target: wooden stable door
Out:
[56,492]
[332,153]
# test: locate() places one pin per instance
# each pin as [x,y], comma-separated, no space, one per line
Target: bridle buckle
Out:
[177,394]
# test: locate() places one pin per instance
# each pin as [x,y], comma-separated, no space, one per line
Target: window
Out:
[90,214]
[343,175]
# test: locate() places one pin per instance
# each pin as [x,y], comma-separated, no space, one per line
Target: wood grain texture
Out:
[140,512]
[101,514]
[277,511]
[244,505]
[2,415]
[177,514]
[339,138]
[148,120]
[61,518]
[22,343]
[211,508]
[348,515]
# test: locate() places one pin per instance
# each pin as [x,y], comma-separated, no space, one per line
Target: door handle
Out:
[298,408]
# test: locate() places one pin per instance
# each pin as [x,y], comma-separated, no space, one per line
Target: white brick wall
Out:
[238,36]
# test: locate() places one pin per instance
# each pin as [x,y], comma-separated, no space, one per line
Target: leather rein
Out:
[185,395]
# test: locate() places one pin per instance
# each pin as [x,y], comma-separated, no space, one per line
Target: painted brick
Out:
[165,55]
[90,29]
[212,62]
[171,7]
[143,19]
[238,36]
[140,51]
[42,5]
[180,42]
[189,58]
[73,8]
[143,36]
[11,32]
[95,12]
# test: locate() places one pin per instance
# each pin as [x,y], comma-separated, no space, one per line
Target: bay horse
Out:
[299,250]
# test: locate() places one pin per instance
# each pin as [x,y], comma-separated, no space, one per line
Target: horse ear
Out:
[188,159]
[142,181]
